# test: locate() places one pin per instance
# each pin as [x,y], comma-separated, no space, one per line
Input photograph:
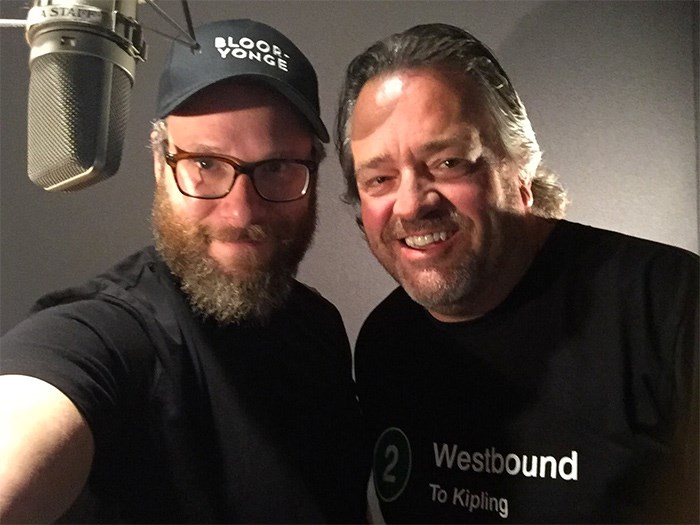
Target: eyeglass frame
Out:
[239,168]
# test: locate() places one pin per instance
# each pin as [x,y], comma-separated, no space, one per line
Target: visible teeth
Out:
[418,241]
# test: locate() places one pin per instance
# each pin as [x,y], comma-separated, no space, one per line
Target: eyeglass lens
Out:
[211,177]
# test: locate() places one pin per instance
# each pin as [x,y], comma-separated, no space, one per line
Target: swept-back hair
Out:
[451,49]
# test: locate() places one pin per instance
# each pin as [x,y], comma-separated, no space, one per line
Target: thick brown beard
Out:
[251,294]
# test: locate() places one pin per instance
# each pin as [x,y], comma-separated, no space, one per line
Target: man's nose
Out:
[416,195]
[243,205]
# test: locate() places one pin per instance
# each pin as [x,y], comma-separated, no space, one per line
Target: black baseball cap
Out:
[243,49]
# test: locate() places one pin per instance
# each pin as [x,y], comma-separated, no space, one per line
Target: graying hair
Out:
[448,48]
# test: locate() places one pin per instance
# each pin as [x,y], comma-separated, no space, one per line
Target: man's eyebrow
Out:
[462,140]
[372,163]
[433,146]
[201,148]
[195,147]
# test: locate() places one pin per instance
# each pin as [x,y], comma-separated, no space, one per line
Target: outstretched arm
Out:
[46,451]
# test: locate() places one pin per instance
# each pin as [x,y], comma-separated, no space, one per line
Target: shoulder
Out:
[100,320]
[309,301]
[651,287]
[80,332]
[99,304]
[140,285]
[586,238]
[313,317]
[596,249]
[123,276]
[395,307]
[94,342]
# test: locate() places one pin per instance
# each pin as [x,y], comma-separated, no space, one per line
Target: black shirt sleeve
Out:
[94,351]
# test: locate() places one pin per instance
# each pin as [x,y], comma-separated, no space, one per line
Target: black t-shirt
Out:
[196,422]
[574,401]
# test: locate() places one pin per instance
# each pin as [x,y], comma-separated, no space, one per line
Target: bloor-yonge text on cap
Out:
[248,49]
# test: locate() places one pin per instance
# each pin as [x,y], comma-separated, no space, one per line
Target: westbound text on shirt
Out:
[492,462]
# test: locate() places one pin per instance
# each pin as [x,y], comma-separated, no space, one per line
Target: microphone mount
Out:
[127,28]
[118,27]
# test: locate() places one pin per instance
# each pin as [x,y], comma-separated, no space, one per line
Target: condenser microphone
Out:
[82,69]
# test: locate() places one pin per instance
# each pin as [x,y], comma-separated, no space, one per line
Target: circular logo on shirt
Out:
[392,464]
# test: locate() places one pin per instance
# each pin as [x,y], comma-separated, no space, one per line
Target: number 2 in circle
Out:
[392,463]
[393,451]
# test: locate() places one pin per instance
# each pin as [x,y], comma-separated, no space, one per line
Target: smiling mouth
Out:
[421,241]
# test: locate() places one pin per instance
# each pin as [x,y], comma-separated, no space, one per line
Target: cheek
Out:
[189,209]
[467,200]
[376,213]
[288,215]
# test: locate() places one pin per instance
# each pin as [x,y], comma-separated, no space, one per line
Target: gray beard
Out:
[224,296]
[447,292]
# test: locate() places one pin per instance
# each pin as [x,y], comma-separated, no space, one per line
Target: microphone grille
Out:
[78,110]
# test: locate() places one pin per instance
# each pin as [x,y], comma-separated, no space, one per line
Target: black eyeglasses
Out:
[207,176]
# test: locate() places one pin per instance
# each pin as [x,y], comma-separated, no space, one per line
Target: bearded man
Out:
[197,381]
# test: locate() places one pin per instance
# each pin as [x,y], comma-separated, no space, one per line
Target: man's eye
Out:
[206,163]
[456,167]
[455,163]
[376,184]
[273,167]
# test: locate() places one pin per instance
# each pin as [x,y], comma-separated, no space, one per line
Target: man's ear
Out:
[526,194]
[159,164]
[360,225]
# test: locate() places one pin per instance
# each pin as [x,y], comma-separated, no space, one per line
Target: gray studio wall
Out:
[611,88]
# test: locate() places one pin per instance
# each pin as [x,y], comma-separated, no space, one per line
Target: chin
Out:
[239,264]
[433,288]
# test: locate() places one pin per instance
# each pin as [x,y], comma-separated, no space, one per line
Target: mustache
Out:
[399,229]
[253,233]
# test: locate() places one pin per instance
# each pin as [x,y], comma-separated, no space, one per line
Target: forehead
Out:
[417,105]
[428,90]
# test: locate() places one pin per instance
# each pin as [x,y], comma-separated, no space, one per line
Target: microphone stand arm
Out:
[190,39]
